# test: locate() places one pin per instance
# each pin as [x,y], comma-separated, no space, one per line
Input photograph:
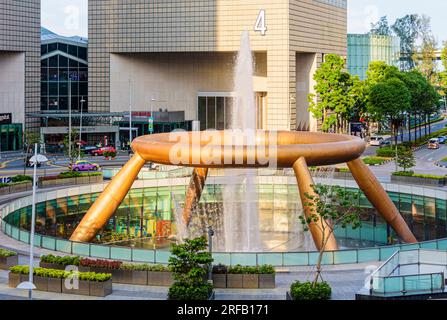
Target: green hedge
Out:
[389,151]
[145,267]
[77,174]
[7,253]
[63,261]
[263,269]
[306,291]
[61,274]
[416,175]
[17,180]
[375,160]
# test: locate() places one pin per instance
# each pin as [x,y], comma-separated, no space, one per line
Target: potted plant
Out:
[82,283]
[134,274]
[112,154]
[100,284]
[8,259]
[309,291]
[234,277]
[159,275]
[250,277]
[106,154]
[220,276]
[189,262]
[267,277]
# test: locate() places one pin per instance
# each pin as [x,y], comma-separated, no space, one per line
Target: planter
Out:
[234,281]
[138,277]
[13,280]
[419,181]
[16,188]
[250,281]
[7,262]
[55,285]
[41,283]
[70,181]
[160,278]
[48,265]
[267,281]
[343,175]
[219,280]
[100,289]
[84,288]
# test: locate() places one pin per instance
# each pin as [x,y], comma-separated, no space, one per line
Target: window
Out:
[53,61]
[63,61]
[53,74]
[73,50]
[52,47]
[62,47]
[53,89]
[220,113]
[44,103]
[211,113]
[43,49]
[44,63]
[63,88]
[73,63]
[202,113]
[82,53]
[44,74]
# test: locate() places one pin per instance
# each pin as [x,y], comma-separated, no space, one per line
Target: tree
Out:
[31,138]
[407,29]
[335,98]
[74,147]
[405,158]
[379,71]
[335,205]
[381,27]
[189,263]
[387,101]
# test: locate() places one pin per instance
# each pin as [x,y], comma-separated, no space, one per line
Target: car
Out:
[377,141]
[442,139]
[433,143]
[83,165]
[100,151]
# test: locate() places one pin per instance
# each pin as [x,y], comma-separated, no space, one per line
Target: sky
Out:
[69,17]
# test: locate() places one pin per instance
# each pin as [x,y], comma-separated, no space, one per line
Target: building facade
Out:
[19,69]
[364,48]
[179,56]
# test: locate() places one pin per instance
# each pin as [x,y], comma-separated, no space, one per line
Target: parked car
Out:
[100,151]
[378,141]
[442,139]
[83,165]
[433,143]
[89,149]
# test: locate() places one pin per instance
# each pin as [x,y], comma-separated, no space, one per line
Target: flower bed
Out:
[59,281]
[8,259]
[137,274]
[412,178]
[71,177]
[244,277]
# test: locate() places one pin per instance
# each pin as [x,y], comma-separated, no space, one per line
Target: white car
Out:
[377,141]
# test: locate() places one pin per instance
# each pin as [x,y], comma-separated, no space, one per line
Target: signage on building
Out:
[5,118]
[5,180]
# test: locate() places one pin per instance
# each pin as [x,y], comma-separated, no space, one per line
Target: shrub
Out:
[145,267]
[77,174]
[417,175]
[7,253]
[263,269]
[220,269]
[61,274]
[189,263]
[309,291]
[63,261]
[372,161]
[106,264]
[388,151]
[21,178]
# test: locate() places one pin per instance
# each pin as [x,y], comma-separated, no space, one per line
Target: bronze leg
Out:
[305,183]
[380,200]
[194,192]
[109,200]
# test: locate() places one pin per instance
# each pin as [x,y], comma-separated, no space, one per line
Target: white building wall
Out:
[12,85]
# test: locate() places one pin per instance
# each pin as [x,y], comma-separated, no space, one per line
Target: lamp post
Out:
[80,127]
[130,113]
[33,222]
[69,118]
[210,248]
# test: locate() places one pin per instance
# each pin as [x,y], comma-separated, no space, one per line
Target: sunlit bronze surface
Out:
[378,197]
[315,148]
[194,192]
[305,183]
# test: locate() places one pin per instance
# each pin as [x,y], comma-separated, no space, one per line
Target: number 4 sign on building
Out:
[260,23]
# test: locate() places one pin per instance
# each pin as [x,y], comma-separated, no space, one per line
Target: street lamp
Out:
[80,127]
[69,118]
[130,113]
[210,248]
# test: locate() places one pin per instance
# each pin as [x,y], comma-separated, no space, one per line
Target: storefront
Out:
[11,134]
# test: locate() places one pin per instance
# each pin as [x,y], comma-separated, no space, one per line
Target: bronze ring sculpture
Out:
[288,149]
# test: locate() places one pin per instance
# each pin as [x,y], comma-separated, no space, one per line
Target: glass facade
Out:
[11,137]
[64,65]
[214,112]
[364,48]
